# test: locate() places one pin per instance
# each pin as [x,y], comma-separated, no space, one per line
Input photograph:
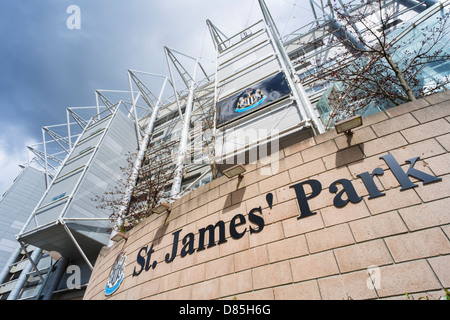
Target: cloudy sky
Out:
[47,67]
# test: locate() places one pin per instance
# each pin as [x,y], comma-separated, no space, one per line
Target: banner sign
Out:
[253,98]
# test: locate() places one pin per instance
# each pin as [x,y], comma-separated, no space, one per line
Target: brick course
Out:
[404,235]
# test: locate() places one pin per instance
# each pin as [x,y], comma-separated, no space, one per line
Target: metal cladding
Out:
[67,219]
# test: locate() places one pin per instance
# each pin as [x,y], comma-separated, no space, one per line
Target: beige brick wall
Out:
[404,234]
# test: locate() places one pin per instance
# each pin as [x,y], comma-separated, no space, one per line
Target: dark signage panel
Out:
[253,98]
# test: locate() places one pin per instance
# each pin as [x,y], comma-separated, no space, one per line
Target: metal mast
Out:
[299,93]
[142,147]
[184,139]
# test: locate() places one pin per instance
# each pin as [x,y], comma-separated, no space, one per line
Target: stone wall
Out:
[375,246]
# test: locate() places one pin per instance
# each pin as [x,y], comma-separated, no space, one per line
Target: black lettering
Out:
[211,229]
[348,189]
[149,255]
[140,261]
[402,177]
[302,199]
[370,185]
[258,220]
[188,245]
[176,236]
[233,232]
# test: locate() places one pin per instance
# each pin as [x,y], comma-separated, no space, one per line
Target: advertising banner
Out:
[253,98]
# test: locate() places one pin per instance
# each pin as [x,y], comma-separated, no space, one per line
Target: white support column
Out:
[68,130]
[97,105]
[12,258]
[183,146]
[20,282]
[140,156]
[133,99]
[47,182]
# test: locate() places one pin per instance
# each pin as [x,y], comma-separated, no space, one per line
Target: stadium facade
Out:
[259,109]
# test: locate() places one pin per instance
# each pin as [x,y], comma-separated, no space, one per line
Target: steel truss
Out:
[321,40]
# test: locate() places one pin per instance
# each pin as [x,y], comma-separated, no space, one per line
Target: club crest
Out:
[116,274]
[249,99]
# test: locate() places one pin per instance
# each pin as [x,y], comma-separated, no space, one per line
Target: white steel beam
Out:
[140,156]
[182,148]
